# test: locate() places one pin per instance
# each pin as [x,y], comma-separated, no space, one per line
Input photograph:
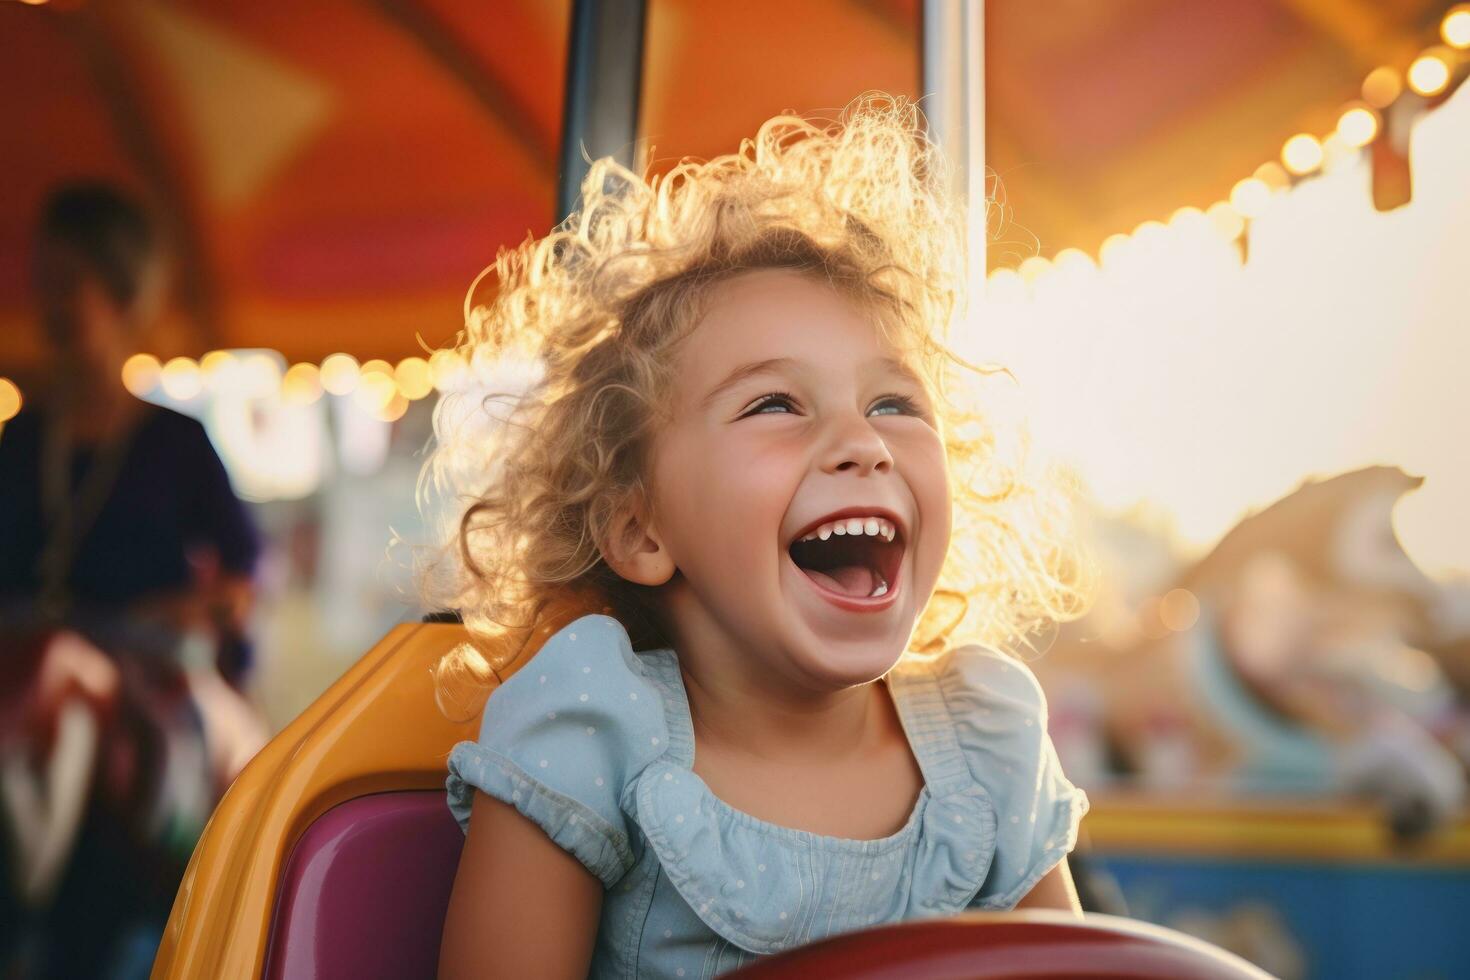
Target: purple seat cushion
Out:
[365,890]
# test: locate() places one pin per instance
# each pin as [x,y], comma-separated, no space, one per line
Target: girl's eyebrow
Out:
[768,366]
[900,368]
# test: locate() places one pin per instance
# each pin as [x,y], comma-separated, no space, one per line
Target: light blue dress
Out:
[593,743]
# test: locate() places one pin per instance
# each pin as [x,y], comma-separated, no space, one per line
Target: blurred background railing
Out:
[1225,265]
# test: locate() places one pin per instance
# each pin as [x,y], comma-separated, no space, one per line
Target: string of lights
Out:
[1430,76]
[384,391]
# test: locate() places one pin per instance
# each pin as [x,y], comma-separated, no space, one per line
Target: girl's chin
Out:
[847,668]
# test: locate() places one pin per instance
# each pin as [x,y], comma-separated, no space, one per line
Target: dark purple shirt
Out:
[172,496]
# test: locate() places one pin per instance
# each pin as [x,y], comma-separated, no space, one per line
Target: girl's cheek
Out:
[926,468]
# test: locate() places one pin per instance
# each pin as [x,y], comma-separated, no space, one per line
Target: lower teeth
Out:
[880,589]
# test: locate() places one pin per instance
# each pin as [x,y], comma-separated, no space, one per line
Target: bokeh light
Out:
[1273,175]
[1381,86]
[1179,610]
[340,374]
[10,400]
[1074,260]
[1190,221]
[214,364]
[1250,197]
[1151,234]
[414,378]
[394,409]
[141,373]
[1114,249]
[1358,126]
[181,379]
[377,366]
[374,391]
[1033,268]
[1455,28]
[302,384]
[1005,286]
[1226,220]
[1429,74]
[1302,154]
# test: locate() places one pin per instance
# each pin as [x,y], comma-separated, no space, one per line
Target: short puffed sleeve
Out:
[561,739]
[999,712]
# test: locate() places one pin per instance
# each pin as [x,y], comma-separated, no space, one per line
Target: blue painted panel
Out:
[1378,921]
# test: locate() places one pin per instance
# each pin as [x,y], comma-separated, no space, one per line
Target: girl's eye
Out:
[771,404]
[895,405]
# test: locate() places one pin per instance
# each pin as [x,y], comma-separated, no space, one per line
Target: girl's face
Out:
[801,490]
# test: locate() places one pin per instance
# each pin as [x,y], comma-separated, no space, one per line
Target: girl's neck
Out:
[730,713]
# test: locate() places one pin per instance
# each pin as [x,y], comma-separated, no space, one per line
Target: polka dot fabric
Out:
[594,744]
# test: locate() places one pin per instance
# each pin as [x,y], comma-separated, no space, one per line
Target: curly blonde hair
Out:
[595,311]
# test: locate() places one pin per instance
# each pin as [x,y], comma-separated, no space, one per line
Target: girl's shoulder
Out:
[977,678]
[562,738]
[987,712]
[980,691]
[579,664]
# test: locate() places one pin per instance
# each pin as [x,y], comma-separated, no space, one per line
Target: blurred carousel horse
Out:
[1323,663]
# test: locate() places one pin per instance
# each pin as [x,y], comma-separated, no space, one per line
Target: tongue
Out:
[853,580]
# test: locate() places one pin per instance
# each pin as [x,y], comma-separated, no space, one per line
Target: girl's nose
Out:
[856,447]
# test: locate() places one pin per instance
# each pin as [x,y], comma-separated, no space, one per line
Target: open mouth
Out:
[856,557]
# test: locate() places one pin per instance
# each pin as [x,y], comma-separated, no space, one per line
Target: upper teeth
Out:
[871,526]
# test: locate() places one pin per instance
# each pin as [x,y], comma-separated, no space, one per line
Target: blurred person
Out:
[125,571]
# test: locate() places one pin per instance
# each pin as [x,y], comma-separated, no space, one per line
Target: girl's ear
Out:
[634,549]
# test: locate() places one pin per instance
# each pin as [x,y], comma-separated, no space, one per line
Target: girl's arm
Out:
[1054,891]
[521,906]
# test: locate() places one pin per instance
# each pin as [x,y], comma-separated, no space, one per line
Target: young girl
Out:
[745,441]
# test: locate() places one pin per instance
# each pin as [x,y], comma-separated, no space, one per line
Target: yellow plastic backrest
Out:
[377,729]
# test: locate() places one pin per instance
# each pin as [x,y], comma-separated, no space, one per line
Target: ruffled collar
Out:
[948,841]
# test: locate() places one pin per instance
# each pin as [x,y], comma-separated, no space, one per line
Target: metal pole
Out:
[604,75]
[954,97]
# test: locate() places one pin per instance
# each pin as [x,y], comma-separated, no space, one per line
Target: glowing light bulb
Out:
[394,409]
[374,391]
[1381,86]
[1429,74]
[377,366]
[215,360]
[1273,175]
[1189,220]
[1250,197]
[1151,233]
[140,374]
[1358,126]
[414,378]
[340,374]
[302,384]
[181,379]
[1074,260]
[1302,154]
[1226,220]
[10,400]
[1455,28]
[1114,249]
[1033,268]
